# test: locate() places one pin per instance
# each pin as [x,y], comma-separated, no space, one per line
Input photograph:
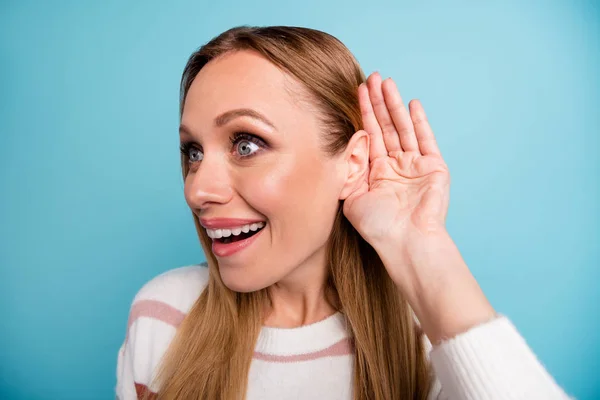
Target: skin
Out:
[410,184]
[291,184]
[392,177]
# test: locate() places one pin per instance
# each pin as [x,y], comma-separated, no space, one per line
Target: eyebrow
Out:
[230,115]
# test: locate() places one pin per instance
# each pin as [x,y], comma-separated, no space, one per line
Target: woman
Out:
[320,202]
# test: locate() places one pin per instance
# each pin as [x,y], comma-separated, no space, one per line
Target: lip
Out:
[225,250]
[220,223]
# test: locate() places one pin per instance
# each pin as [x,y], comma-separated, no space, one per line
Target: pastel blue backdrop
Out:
[92,206]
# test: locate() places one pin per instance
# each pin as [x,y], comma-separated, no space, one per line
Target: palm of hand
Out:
[407,190]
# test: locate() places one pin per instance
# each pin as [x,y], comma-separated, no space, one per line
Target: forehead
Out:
[241,79]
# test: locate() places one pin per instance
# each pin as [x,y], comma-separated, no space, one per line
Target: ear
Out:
[356,159]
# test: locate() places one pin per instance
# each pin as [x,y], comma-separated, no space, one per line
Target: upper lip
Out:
[220,223]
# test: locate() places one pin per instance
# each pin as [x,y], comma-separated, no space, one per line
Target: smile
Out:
[235,234]
[228,241]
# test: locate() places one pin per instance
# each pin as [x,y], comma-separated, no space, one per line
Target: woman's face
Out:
[256,159]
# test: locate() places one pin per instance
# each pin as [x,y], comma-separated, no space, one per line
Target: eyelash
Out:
[185,147]
[239,136]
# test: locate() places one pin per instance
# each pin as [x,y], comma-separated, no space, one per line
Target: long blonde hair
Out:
[211,353]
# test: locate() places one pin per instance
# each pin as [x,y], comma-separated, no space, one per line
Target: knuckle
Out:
[405,132]
[377,101]
[396,106]
[419,119]
[387,126]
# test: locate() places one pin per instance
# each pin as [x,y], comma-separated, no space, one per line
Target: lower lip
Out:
[226,249]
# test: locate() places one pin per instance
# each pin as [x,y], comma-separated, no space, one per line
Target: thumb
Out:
[350,201]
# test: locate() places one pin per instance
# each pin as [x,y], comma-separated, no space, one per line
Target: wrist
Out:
[413,260]
[433,277]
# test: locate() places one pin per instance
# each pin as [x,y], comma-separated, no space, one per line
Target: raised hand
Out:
[407,192]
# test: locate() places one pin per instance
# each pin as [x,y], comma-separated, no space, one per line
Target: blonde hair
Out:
[211,353]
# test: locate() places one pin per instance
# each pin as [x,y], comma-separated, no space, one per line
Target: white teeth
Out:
[219,233]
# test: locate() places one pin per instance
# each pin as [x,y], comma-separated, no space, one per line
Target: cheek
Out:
[295,194]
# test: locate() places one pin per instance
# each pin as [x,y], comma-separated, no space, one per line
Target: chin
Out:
[238,282]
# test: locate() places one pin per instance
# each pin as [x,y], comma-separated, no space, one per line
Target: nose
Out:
[208,184]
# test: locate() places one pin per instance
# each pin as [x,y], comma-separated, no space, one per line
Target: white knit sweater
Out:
[489,362]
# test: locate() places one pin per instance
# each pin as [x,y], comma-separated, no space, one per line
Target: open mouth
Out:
[237,234]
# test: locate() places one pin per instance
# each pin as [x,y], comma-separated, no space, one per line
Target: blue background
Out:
[92,204]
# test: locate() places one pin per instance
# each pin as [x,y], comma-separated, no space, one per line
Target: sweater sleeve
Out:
[125,389]
[155,313]
[490,362]
[144,344]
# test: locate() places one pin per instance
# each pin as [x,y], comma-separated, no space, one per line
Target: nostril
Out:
[202,197]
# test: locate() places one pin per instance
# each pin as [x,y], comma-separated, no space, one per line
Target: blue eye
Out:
[191,152]
[246,148]
[195,155]
[246,145]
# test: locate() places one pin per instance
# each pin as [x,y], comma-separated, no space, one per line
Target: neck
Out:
[303,297]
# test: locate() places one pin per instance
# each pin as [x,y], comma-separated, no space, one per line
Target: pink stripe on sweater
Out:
[342,348]
[141,390]
[157,310]
[170,315]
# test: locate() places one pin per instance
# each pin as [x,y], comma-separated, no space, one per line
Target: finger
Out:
[425,137]
[388,130]
[400,116]
[377,147]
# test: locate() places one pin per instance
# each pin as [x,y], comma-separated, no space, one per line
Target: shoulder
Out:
[163,302]
[157,310]
[178,288]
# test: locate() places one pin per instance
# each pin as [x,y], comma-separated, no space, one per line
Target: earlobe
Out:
[357,161]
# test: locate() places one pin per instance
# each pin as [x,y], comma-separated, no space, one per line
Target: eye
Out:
[195,155]
[245,145]
[245,148]
[191,152]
